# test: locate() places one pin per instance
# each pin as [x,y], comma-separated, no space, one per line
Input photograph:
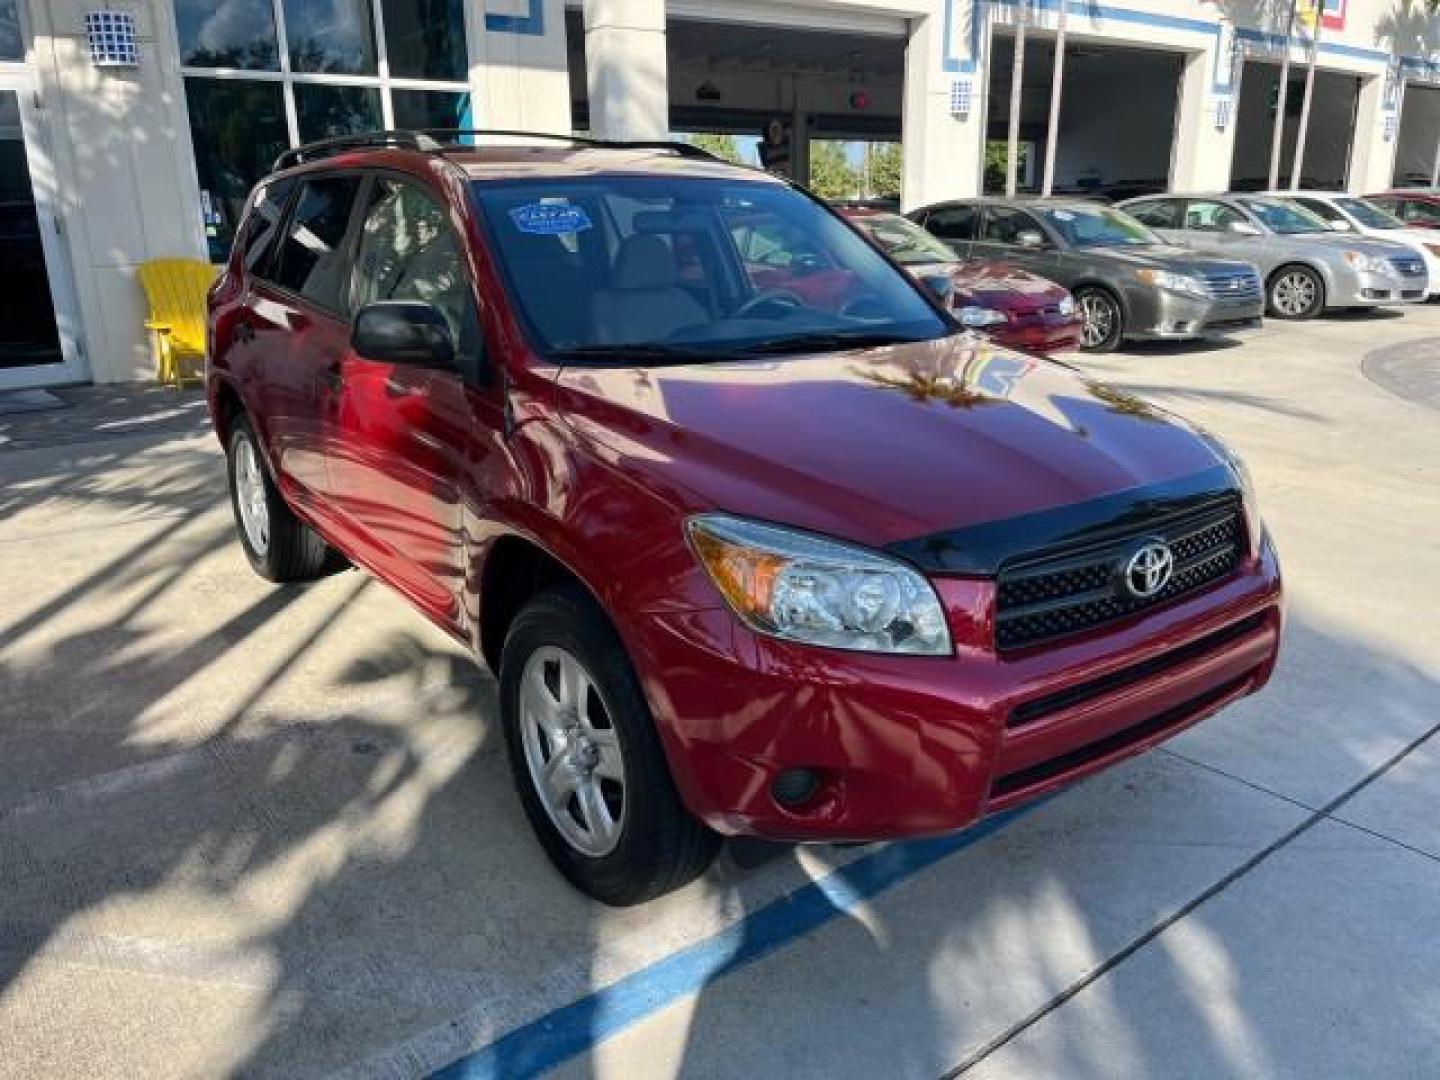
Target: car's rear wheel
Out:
[586,757]
[1296,292]
[279,545]
[1103,323]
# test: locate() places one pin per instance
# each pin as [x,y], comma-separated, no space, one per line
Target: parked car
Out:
[742,565]
[1008,304]
[1419,209]
[1129,283]
[1307,267]
[1350,213]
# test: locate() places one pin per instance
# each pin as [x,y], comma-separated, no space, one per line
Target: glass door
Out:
[38,342]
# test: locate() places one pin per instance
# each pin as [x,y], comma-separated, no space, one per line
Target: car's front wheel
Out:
[586,757]
[1296,292]
[279,545]
[1103,325]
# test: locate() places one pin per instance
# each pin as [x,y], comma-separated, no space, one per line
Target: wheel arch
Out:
[515,568]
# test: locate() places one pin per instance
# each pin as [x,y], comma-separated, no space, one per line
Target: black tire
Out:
[1294,293]
[293,550]
[660,845]
[1096,304]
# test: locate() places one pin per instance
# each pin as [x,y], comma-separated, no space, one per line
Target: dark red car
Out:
[1418,208]
[742,563]
[1010,305]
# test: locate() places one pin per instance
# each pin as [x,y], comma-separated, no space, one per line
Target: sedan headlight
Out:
[806,588]
[1366,264]
[977,317]
[1166,279]
[1067,306]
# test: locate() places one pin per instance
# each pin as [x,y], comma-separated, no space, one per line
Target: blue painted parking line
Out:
[570,1030]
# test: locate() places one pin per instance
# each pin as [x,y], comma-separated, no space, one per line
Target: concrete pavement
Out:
[248,830]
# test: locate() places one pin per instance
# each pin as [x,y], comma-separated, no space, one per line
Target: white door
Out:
[39,331]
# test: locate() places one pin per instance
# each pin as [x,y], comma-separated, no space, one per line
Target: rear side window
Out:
[256,239]
[953,222]
[311,261]
[1004,225]
[1158,214]
[407,251]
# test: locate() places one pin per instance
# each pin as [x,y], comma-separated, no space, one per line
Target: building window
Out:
[264,75]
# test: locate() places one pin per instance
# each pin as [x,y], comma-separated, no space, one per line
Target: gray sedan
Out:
[1308,267]
[1128,282]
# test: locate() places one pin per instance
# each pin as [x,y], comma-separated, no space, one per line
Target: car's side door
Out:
[1327,212]
[1217,228]
[1015,236]
[957,224]
[1164,217]
[407,434]
[300,327]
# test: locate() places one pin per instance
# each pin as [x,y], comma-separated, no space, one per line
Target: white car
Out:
[1350,213]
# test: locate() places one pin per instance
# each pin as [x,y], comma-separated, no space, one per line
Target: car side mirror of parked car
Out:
[1243,228]
[941,286]
[1031,239]
[405,332]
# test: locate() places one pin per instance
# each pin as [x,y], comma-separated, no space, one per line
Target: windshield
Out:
[1369,215]
[1096,226]
[1283,217]
[907,243]
[645,269]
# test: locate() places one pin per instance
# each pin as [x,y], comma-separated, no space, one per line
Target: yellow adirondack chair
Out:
[175,290]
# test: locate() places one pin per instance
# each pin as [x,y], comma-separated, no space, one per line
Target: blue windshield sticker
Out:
[550,218]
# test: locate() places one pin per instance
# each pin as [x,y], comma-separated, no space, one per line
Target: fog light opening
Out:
[795,787]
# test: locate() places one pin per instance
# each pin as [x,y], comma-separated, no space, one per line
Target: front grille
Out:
[1408,265]
[1233,285]
[1056,594]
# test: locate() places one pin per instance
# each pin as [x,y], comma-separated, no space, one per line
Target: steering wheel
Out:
[854,308]
[782,300]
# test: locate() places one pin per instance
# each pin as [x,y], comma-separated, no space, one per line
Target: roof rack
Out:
[408,140]
[682,149]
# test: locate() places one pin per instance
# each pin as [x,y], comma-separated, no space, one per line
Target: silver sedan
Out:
[1307,266]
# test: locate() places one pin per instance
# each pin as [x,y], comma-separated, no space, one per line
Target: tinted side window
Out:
[953,222]
[312,258]
[1201,216]
[1159,214]
[1004,225]
[407,251]
[256,239]
[1323,209]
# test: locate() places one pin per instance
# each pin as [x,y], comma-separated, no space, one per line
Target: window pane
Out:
[425,39]
[324,111]
[337,36]
[260,231]
[431,109]
[238,129]
[312,259]
[230,34]
[407,252]
[12,46]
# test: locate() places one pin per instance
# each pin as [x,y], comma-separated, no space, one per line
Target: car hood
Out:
[879,445]
[1164,257]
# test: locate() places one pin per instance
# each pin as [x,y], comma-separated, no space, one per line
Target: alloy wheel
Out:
[1294,294]
[572,751]
[250,497]
[1099,316]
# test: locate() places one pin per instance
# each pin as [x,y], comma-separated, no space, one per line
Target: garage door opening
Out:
[1328,140]
[835,96]
[1417,146]
[1117,117]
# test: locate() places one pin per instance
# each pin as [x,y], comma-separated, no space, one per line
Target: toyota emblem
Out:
[1148,569]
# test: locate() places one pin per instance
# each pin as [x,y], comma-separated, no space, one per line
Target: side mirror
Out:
[941,286]
[1031,239]
[403,332]
[1242,228]
[1340,225]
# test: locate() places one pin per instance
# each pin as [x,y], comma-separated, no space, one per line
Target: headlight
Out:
[976,317]
[1165,279]
[1067,306]
[806,588]
[1366,264]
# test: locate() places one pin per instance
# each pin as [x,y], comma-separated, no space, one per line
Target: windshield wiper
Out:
[643,353]
[822,342]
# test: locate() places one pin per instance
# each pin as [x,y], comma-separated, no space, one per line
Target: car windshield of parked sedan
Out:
[651,269]
[905,242]
[1284,218]
[1369,215]
[1096,226]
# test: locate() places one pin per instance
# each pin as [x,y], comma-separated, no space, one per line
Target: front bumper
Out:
[1157,314]
[907,746]
[1367,289]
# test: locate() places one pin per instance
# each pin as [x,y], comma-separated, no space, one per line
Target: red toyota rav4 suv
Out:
[743,563]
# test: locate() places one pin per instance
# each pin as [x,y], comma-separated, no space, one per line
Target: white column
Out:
[520,77]
[944,154]
[1201,161]
[1372,156]
[625,61]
